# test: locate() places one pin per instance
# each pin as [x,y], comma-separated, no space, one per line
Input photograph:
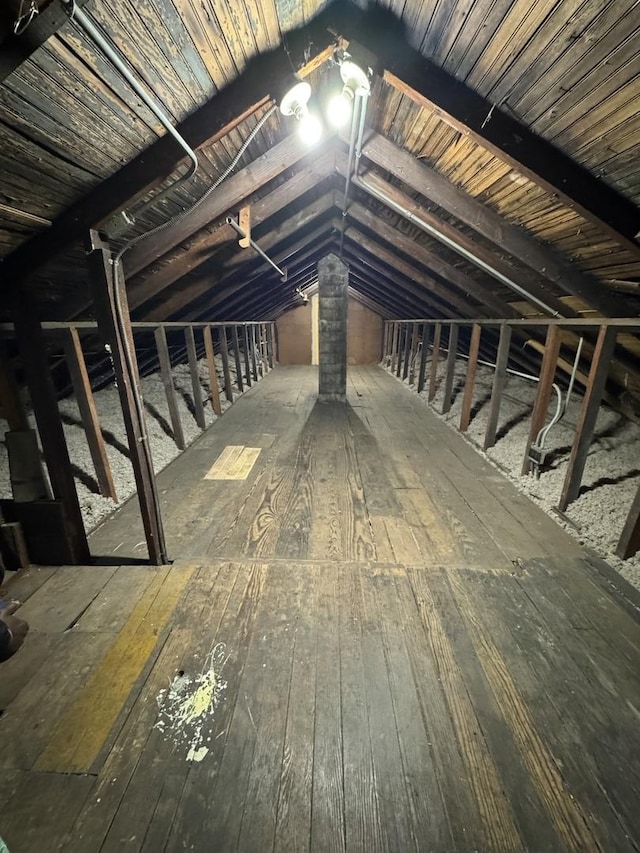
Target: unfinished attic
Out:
[320,396]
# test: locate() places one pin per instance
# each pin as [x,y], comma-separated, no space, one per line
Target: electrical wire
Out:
[24,19]
[181,215]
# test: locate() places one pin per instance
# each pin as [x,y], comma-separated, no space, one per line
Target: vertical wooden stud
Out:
[213,375]
[195,378]
[499,379]
[88,413]
[402,336]
[224,353]
[545,387]
[433,373]
[247,366]
[169,388]
[422,373]
[414,347]
[470,380]
[450,372]
[111,319]
[629,542]
[236,355]
[591,401]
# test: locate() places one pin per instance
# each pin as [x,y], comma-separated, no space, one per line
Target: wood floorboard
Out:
[377,644]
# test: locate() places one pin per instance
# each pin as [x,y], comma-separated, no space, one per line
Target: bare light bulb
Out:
[339,109]
[309,129]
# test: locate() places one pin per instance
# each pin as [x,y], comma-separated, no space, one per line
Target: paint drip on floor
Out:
[187,706]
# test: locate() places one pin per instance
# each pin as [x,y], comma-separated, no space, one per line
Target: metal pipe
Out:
[352,146]
[403,211]
[363,115]
[254,245]
[77,14]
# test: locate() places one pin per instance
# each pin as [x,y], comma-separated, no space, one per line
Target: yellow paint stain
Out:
[234,463]
[82,732]
[199,702]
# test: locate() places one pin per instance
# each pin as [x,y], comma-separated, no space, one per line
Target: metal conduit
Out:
[254,245]
[403,211]
[96,36]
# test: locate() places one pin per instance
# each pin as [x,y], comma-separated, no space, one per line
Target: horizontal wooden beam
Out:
[230,194]
[473,250]
[305,48]
[198,250]
[562,273]
[17,49]
[438,91]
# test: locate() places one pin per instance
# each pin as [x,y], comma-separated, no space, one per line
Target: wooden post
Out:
[472,366]
[545,387]
[269,345]
[385,342]
[394,344]
[255,371]
[245,338]
[224,352]
[195,378]
[433,373]
[423,357]
[402,335]
[499,379]
[35,362]
[169,388]
[274,344]
[630,538]
[406,363]
[213,375]
[112,314]
[236,355]
[412,357]
[88,413]
[588,413]
[451,363]
[12,409]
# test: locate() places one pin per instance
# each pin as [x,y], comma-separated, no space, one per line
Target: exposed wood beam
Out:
[206,283]
[563,273]
[417,298]
[504,135]
[433,287]
[204,244]
[17,49]
[494,258]
[305,49]
[409,247]
[511,141]
[230,194]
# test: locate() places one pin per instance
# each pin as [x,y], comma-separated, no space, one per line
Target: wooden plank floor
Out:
[371,642]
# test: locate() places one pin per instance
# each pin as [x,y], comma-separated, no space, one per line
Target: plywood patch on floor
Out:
[234,463]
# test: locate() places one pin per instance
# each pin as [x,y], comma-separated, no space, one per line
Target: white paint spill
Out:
[187,706]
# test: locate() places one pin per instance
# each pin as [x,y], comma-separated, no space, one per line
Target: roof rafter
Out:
[504,135]
[491,225]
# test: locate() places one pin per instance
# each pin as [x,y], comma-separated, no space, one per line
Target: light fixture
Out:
[356,82]
[295,102]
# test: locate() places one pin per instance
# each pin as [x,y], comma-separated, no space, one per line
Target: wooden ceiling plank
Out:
[229,194]
[306,48]
[478,250]
[508,237]
[198,250]
[503,135]
[17,49]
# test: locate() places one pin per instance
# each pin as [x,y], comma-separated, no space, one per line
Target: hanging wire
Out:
[179,216]
[24,19]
